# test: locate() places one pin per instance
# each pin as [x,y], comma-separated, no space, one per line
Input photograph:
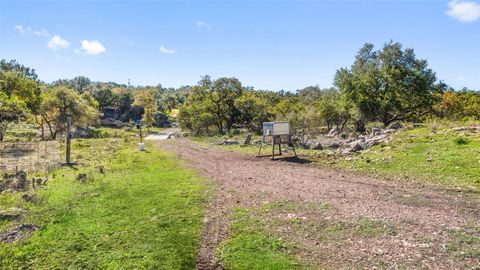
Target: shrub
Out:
[461,141]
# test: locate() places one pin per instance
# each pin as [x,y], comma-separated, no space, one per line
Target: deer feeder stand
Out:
[276,133]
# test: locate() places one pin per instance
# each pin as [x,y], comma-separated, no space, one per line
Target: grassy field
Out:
[434,154]
[440,156]
[145,212]
[250,246]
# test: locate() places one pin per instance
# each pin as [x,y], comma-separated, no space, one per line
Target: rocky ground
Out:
[342,220]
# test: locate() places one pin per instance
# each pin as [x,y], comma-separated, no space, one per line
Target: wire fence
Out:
[29,156]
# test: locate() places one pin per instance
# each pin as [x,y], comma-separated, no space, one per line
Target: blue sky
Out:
[266,44]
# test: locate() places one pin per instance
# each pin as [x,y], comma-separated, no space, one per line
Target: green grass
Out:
[250,247]
[465,243]
[144,213]
[440,156]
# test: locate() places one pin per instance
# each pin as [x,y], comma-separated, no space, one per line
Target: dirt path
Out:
[429,222]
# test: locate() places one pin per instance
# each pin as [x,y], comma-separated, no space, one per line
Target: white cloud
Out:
[202,24]
[42,33]
[462,79]
[57,42]
[464,11]
[21,29]
[167,51]
[93,47]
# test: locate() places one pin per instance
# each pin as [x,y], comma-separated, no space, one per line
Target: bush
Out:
[461,141]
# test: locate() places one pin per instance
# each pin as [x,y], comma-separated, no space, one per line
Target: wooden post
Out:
[141,137]
[69,123]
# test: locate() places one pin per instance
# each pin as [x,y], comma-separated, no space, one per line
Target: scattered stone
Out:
[332,133]
[248,139]
[388,131]
[18,233]
[395,126]
[229,142]
[471,129]
[82,177]
[29,197]
[316,146]
[11,213]
[20,181]
[334,146]
[376,131]
[429,159]
[171,135]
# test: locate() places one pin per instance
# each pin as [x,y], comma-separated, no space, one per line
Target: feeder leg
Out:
[273,147]
[280,148]
[295,152]
[260,149]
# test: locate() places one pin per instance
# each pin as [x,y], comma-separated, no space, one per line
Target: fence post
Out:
[69,123]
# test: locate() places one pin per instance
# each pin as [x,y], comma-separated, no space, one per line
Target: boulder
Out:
[353,147]
[376,140]
[17,232]
[471,128]
[388,131]
[229,142]
[20,181]
[334,145]
[332,133]
[376,131]
[248,139]
[10,213]
[316,146]
[395,126]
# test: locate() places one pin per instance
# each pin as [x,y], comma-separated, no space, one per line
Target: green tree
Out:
[147,99]
[194,114]
[390,84]
[254,110]
[105,98]
[123,100]
[60,102]
[222,97]
[19,96]
[13,65]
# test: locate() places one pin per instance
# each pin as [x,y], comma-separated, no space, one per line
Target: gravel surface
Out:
[430,222]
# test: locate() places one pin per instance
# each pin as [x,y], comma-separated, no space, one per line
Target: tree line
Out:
[24,98]
[385,85]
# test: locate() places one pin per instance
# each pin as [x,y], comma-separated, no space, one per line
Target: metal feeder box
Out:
[276,133]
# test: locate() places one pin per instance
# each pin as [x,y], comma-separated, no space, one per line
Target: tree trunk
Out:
[360,126]
[52,136]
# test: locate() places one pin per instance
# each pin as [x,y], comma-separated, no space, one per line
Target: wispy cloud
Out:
[57,42]
[21,29]
[42,33]
[202,24]
[464,11]
[163,49]
[462,79]
[93,47]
